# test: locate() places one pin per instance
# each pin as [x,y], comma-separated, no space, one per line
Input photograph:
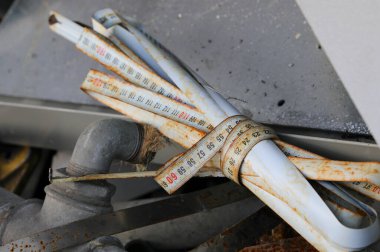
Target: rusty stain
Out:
[297,244]
[332,170]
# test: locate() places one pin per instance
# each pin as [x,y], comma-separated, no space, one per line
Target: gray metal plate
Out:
[257,53]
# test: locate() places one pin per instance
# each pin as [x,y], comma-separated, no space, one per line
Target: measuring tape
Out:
[103,51]
[238,131]
[284,190]
[105,84]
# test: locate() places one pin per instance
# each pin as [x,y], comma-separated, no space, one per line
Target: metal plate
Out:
[350,35]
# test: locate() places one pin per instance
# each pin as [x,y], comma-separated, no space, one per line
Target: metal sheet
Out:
[350,35]
[262,55]
[81,231]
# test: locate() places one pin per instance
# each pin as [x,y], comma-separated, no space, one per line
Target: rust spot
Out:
[53,20]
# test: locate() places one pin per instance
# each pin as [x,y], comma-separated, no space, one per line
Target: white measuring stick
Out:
[332,170]
[107,27]
[197,95]
[105,84]
[102,50]
[368,189]
[200,173]
[365,188]
[182,134]
[119,44]
[269,163]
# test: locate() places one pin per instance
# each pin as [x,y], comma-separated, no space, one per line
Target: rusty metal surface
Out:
[261,55]
[243,234]
[297,244]
[81,231]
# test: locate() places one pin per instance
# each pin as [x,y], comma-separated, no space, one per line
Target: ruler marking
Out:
[143,98]
[101,50]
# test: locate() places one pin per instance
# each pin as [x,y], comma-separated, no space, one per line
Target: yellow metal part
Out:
[8,165]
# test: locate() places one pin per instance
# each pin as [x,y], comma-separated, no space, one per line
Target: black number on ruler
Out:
[132,95]
[115,61]
[175,112]
[157,105]
[114,89]
[210,146]
[93,46]
[146,81]
[246,141]
[140,98]
[367,186]
[237,150]
[191,162]
[138,76]
[153,86]
[123,66]
[201,154]
[130,70]
[161,91]
[256,134]
[229,128]
[201,122]
[230,171]
[192,119]
[166,109]
[86,41]
[219,137]
[181,170]
[123,92]
[108,56]
[149,102]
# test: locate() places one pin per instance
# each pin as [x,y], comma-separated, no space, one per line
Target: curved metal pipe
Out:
[98,145]
[102,142]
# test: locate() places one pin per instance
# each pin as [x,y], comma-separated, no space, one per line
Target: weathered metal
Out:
[68,202]
[81,231]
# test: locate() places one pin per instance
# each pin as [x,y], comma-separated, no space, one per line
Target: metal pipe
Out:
[99,144]
[102,142]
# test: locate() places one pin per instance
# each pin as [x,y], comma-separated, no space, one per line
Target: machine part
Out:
[101,143]
[11,159]
[21,169]
[191,230]
[80,231]
[68,202]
